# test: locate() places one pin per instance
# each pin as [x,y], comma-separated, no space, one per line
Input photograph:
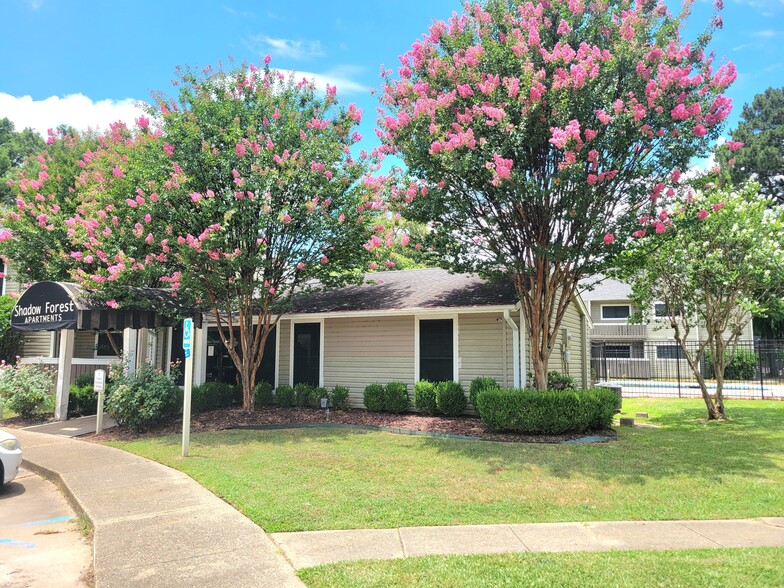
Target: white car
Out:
[10,457]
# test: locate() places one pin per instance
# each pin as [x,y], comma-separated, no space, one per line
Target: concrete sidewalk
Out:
[72,427]
[321,547]
[154,526]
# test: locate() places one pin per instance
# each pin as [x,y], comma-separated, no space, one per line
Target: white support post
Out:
[130,341]
[200,355]
[523,355]
[515,348]
[67,337]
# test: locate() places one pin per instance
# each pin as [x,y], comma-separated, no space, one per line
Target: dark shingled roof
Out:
[409,289]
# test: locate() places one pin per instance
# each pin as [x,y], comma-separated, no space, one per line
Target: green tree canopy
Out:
[15,148]
[761,130]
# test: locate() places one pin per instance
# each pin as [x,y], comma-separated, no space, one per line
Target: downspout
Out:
[515,348]
[523,358]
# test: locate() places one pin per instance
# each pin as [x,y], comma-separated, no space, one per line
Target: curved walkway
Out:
[155,526]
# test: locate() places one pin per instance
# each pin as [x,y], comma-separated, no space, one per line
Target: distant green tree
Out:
[761,130]
[15,148]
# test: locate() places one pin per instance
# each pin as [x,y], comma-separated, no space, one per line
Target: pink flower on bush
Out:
[718,206]
[735,145]
[609,239]
[702,214]
[324,259]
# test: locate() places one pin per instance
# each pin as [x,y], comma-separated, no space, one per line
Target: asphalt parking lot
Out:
[41,543]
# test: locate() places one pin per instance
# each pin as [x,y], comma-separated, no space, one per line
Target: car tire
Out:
[2,474]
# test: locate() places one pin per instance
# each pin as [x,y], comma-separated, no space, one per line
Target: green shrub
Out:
[85,380]
[212,395]
[339,398]
[24,389]
[742,367]
[604,403]
[11,342]
[425,397]
[82,400]
[396,397]
[143,399]
[559,381]
[284,396]
[478,385]
[303,395]
[549,412]
[263,393]
[450,398]
[374,397]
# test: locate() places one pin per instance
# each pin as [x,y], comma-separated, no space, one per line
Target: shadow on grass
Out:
[751,445]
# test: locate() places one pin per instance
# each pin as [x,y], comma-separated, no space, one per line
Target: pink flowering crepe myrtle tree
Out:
[541,135]
[246,193]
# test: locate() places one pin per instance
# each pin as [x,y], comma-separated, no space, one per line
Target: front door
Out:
[307,353]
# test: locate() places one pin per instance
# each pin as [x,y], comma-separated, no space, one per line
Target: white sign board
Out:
[99,380]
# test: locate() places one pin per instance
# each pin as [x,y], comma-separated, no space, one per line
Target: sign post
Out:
[187,345]
[99,385]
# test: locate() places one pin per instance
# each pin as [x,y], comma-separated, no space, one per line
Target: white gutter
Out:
[515,347]
[523,366]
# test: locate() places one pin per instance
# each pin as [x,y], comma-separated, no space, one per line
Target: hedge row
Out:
[550,412]
[446,398]
[301,395]
[390,398]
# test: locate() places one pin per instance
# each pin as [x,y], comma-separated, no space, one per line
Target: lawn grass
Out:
[716,568]
[312,479]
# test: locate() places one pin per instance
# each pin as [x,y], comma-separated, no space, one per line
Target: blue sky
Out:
[86,62]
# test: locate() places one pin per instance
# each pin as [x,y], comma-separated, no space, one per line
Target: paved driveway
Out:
[40,539]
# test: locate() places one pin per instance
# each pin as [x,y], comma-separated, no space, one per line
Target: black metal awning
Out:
[51,306]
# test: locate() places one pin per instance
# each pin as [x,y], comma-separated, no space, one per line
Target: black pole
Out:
[759,364]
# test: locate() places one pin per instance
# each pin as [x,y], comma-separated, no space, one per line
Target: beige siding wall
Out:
[84,344]
[485,348]
[37,343]
[572,325]
[11,285]
[361,351]
[284,346]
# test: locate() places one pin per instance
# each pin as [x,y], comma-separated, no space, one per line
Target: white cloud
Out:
[767,34]
[76,110]
[339,77]
[293,49]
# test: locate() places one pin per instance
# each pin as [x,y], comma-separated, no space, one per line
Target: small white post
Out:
[187,344]
[99,385]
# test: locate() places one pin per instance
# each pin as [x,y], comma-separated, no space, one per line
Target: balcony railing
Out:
[619,332]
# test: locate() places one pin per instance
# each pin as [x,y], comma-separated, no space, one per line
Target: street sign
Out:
[187,336]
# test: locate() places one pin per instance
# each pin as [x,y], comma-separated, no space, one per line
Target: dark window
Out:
[178,354]
[103,348]
[621,311]
[219,364]
[660,310]
[669,352]
[307,353]
[618,351]
[436,350]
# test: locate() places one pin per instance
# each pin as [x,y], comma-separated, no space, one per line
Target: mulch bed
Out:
[232,418]
[229,418]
